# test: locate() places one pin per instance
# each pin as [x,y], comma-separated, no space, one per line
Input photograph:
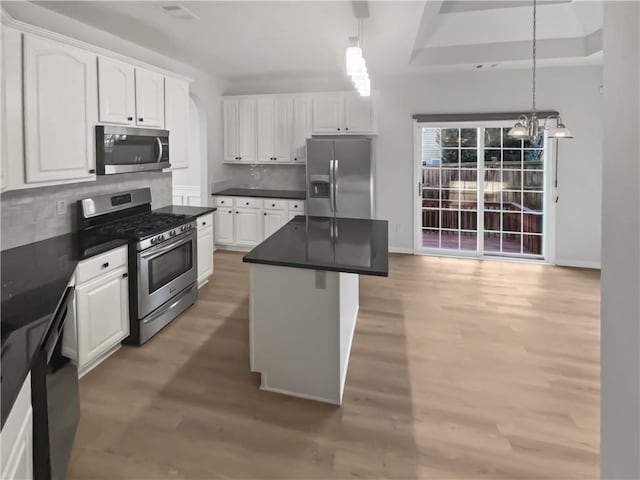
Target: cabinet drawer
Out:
[272,204]
[224,201]
[205,221]
[105,263]
[245,202]
[296,206]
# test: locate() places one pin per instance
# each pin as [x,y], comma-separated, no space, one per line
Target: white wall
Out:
[574,92]
[620,329]
[205,87]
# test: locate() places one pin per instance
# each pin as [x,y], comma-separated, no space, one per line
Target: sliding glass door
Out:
[480,192]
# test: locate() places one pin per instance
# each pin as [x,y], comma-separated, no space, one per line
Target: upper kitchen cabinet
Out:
[11,108]
[239,125]
[301,127]
[274,128]
[60,111]
[177,120]
[149,98]
[116,92]
[342,113]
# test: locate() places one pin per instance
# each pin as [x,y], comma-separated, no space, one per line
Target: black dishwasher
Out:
[55,398]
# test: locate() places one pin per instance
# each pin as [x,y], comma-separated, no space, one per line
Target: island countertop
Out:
[347,245]
[262,193]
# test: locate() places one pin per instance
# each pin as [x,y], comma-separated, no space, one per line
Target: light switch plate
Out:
[61,207]
[321,279]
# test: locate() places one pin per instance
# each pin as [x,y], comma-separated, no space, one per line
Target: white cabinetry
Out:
[342,113]
[243,222]
[177,120]
[12,150]
[301,127]
[275,128]
[239,125]
[102,307]
[116,92]
[247,226]
[16,440]
[205,248]
[60,109]
[149,98]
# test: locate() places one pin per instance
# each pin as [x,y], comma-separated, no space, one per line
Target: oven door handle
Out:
[159,142]
[160,249]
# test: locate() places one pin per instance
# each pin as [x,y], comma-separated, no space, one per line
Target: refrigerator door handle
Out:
[335,185]
[331,185]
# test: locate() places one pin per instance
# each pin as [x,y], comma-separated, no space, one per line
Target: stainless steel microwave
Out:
[124,150]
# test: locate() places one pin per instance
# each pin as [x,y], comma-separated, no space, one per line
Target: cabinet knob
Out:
[130,118]
[230,211]
[239,158]
[295,159]
[141,119]
[204,223]
[347,129]
[246,203]
[265,214]
[105,265]
[236,212]
[92,171]
[338,128]
[273,204]
[125,275]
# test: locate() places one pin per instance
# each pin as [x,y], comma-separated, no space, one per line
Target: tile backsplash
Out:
[281,177]
[30,215]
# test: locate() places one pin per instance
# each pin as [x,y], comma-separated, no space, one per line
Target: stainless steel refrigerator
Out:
[339,177]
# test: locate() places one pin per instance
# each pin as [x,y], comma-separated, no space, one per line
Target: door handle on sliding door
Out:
[331,184]
[335,185]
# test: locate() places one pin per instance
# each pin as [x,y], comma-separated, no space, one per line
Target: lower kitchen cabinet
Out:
[205,248]
[244,222]
[102,307]
[247,223]
[16,440]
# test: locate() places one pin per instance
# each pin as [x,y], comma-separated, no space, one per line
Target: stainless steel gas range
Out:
[162,254]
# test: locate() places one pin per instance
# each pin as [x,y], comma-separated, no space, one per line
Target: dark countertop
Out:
[34,279]
[321,243]
[184,210]
[259,192]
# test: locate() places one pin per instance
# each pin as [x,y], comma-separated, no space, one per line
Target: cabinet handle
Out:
[204,223]
[239,158]
[230,211]
[125,275]
[236,212]
[347,129]
[141,119]
[105,265]
[338,128]
[273,204]
[265,214]
[129,118]
[92,171]
[295,159]
[246,203]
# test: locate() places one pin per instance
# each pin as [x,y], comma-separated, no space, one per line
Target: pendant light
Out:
[356,64]
[528,127]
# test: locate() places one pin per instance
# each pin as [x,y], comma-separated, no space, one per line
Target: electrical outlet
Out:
[399,228]
[61,207]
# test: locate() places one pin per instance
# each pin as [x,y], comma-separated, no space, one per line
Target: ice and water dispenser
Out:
[320,186]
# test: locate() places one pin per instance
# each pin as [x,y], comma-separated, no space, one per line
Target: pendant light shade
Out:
[560,131]
[518,131]
[354,60]
[356,65]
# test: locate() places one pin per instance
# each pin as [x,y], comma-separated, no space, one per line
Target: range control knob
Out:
[153,240]
[172,233]
[161,238]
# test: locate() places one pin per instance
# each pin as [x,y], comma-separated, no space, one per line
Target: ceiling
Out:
[246,39]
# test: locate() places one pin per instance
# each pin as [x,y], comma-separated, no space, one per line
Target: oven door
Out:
[164,271]
[124,150]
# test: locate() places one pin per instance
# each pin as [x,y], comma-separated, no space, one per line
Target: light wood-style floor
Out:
[460,369]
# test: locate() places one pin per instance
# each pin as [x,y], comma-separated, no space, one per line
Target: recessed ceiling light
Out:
[177,10]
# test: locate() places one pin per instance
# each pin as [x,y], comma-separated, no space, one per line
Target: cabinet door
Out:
[102,307]
[116,92]
[273,221]
[301,128]
[230,127]
[358,114]
[283,128]
[265,128]
[247,226]
[19,464]
[61,111]
[149,99]
[247,130]
[177,121]
[224,229]
[205,254]
[328,113]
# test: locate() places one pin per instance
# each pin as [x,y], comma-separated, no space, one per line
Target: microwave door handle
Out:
[159,142]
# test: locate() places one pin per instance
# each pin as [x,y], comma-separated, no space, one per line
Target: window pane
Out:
[533,200]
[492,137]
[469,137]
[511,179]
[511,222]
[511,243]
[449,240]
[533,159]
[450,156]
[537,143]
[532,222]
[494,177]
[430,194]
[491,220]
[533,180]
[449,175]
[469,156]
[468,241]
[511,158]
[468,220]
[508,142]
[450,219]
[431,238]
[431,218]
[431,177]
[532,244]
[450,137]
[492,242]
[512,198]
[492,158]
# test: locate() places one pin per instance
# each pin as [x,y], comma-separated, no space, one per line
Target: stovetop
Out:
[141,226]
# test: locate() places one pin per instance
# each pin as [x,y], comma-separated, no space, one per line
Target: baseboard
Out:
[408,251]
[233,248]
[577,264]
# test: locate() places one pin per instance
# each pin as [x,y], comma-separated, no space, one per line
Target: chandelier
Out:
[357,66]
[528,127]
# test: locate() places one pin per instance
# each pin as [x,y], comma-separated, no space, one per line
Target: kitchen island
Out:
[303,308]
